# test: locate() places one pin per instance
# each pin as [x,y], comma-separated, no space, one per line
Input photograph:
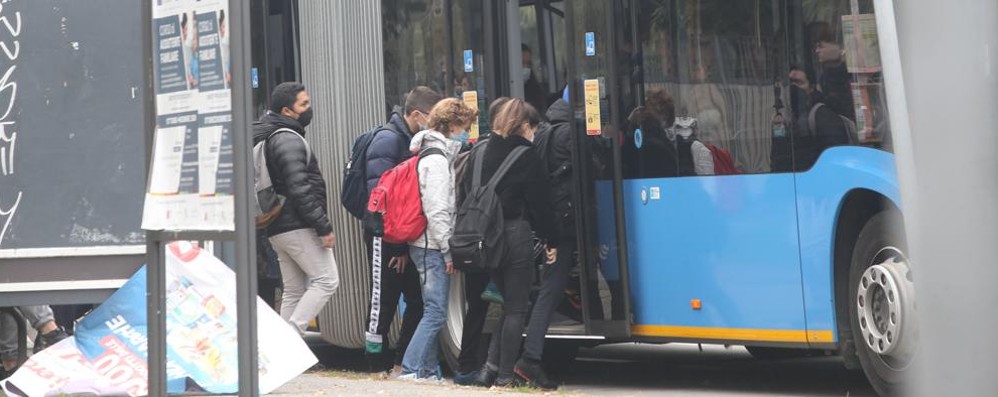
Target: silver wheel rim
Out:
[456,307]
[885,300]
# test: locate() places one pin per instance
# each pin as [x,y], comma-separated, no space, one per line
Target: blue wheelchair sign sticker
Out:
[590,44]
[255,77]
[639,138]
[469,61]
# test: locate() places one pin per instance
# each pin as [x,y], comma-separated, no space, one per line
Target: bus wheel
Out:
[882,311]
[450,334]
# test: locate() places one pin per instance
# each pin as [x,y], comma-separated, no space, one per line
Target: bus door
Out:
[698,110]
[595,63]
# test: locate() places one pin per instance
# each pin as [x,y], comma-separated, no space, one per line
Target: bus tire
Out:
[881,303]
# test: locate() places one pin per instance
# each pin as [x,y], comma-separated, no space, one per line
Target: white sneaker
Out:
[409,377]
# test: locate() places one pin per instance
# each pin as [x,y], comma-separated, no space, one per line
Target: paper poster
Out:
[592,95]
[862,45]
[168,150]
[193,82]
[471,101]
[108,354]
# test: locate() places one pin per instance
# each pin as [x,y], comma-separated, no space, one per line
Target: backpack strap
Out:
[479,158]
[812,118]
[308,150]
[506,165]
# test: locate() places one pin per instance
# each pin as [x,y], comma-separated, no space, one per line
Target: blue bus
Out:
[734,180]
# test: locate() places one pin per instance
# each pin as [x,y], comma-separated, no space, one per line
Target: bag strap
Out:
[308,149]
[812,118]
[479,158]
[506,165]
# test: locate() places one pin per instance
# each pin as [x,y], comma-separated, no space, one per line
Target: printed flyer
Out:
[108,354]
[190,183]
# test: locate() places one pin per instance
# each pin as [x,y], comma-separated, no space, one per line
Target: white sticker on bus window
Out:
[656,193]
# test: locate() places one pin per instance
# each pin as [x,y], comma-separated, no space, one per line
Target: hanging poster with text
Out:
[190,181]
[591,90]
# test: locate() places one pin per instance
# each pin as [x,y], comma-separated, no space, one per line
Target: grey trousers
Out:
[36,316]
[309,274]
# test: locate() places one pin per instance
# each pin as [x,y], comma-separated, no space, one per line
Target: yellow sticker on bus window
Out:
[593,127]
[471,101]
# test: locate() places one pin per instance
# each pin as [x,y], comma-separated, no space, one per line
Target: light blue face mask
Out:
[461,136]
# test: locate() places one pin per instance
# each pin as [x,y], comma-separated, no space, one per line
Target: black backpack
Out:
[478,243]
[353,192]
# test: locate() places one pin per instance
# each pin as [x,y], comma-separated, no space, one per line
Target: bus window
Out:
[414,52]
[699,78]
[836,86]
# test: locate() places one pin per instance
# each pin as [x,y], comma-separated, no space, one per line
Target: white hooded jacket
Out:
[436,188]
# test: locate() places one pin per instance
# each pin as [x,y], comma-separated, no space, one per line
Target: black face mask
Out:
[305,118]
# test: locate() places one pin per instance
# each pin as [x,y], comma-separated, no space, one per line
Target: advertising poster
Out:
[591,89]
[862,45]
[471,100]
[108,353]
[193,94]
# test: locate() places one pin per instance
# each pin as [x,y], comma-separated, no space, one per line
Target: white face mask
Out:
[526,73]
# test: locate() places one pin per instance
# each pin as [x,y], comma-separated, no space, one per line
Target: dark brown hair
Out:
[422,99]
[512,115]
[450,113]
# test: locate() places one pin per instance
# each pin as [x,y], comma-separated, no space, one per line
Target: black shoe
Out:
[50,338]
[532,372]
[485,378]
[466,378]
[511,382]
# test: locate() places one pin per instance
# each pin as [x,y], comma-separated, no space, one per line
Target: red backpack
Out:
[395,203]
[723,164]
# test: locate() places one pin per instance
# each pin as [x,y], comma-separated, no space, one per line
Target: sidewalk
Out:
[344,383]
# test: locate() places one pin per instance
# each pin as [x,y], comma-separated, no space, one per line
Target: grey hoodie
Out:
[436,186]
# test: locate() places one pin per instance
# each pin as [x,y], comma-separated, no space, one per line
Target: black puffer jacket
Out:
[295,177]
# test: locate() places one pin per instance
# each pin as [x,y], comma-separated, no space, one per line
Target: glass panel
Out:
[837,91]
[604,288]
[415,48]
[468,34]
[701,85]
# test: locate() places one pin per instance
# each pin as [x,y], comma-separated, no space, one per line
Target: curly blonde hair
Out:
[451,113]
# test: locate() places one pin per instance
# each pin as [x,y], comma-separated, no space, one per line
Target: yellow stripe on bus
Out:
[734,334]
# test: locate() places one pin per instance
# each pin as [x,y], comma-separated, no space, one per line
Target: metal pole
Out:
[155,263]
[245,238]
[514,49]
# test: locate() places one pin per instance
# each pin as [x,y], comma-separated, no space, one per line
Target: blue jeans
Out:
[421,355]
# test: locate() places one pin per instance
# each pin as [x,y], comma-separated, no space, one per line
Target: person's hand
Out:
[552,255]
[398,263]
[799,79]
[450,268]
[329,241]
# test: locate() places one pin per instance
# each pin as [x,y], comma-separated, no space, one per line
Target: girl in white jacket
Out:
[431,252]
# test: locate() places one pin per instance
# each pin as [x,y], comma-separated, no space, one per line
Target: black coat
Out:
[524,192]
[557,155]
[294,176]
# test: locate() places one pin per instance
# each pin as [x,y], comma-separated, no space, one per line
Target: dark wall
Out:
[79,157]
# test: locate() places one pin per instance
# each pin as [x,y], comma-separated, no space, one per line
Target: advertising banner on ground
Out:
[108,354]
[191,178]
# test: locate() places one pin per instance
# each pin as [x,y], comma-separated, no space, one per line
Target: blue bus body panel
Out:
[729,241]
[820,193]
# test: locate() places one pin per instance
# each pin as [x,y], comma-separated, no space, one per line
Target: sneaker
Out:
[485,377]
[508,383]
[532,372]
[411,377]
[465,378]
[491,294]
[50,338]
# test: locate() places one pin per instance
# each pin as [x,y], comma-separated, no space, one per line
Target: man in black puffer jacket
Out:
[302,235]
